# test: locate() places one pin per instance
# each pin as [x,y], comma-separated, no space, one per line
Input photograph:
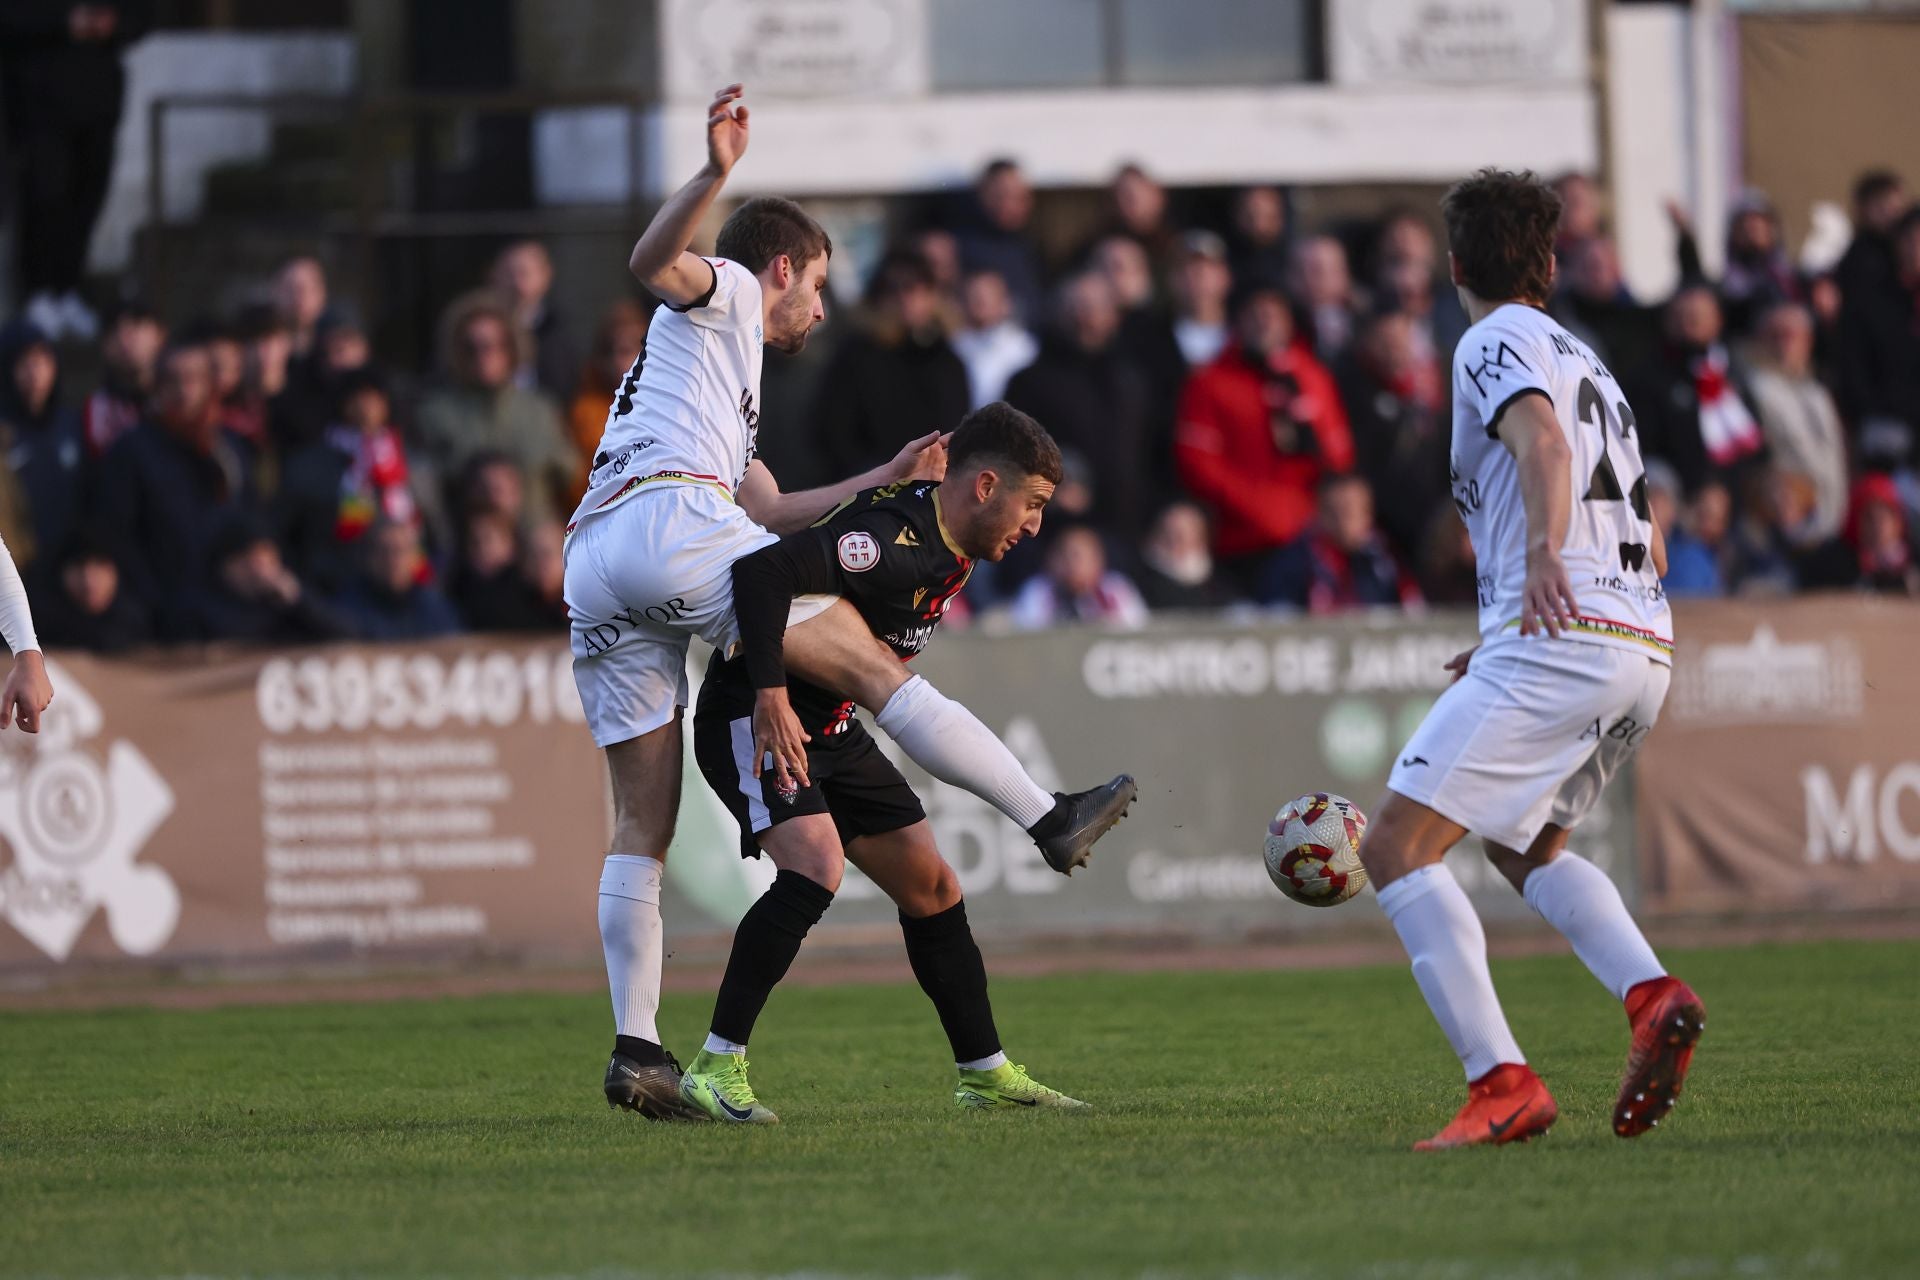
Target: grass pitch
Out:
[1248,1124]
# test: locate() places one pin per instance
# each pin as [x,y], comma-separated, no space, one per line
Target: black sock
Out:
[644,1052]
[764,946]
[947,962]
[1052,822]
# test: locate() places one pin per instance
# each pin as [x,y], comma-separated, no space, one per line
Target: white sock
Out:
[949,742]
[630,934]
[1575,897]
[715,1044]
[984,1064]
[1438,926]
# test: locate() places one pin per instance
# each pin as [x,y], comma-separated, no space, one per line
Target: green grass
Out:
[1248,1124]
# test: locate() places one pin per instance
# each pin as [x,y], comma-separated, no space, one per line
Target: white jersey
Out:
[1519,351]
[689,411]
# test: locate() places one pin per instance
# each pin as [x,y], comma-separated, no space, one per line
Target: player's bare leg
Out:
[1402,852]
[836,650]
[809,862]
[645,774]
[1667,1018]
[907,866]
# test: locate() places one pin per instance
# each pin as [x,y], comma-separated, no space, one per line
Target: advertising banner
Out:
[1785,771]
[361,802]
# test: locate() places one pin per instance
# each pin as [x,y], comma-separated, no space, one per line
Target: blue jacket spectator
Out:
[42,442]
[394,598]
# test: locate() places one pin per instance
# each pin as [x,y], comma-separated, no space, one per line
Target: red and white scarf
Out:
[1727,427]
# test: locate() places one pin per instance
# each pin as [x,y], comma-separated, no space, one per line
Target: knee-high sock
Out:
[1575,897]
[949,742]
[630,935]
[764,946]
[1437,924]
[947,962]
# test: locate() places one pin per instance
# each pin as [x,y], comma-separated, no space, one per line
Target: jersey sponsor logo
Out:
[858,551]
[1500,357]
[907,538]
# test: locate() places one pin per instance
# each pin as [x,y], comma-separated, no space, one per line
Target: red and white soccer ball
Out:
[1313,849]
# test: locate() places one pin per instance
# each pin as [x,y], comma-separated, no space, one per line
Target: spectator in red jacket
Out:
[1259,428]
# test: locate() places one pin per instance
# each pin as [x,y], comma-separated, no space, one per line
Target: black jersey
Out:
[885,551]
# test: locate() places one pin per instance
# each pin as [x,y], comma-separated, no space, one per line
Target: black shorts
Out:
[848,779]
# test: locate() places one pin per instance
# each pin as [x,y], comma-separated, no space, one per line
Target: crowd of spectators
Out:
[1253,415]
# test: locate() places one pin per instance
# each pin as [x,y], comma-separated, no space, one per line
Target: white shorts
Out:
[641,580]
[1531,735]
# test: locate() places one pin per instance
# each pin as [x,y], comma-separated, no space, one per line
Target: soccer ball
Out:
[1313,849]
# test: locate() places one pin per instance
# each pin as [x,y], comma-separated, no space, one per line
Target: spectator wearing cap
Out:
[995,236]
[1087,391]
[130,349]
[85,605]
[1400,437]
[1259,235]
[394,597]
[335,489]
[1259,428]
[1758,275]
[1176,572]
[1341,562]
[523,274]
[1797,413]
[252,597]
[619,346]
[1690,401]
[991,342]
[1077,585]
[1328,302]
[1879,354]
[1200,284]
[894,378]
[168,486]
[480,410]
[44,480]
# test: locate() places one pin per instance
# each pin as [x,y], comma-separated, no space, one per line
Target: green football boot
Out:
[1008,1085]
[717,1084]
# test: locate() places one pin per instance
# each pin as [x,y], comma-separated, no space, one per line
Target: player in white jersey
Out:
[675,496]
[1576,647]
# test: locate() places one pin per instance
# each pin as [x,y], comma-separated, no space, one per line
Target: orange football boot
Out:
[1508,1104]
[1667,1021]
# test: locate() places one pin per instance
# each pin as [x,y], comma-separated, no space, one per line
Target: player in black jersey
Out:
[900,555]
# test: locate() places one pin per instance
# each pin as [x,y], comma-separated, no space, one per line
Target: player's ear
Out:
[783,271]
[1453,268]
[984,483]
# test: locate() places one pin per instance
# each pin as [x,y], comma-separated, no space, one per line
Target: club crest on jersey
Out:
[858,551]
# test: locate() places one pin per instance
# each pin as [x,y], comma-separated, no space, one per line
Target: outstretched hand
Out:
[923,459]
[727,128]
[1547,602]
[1457,664]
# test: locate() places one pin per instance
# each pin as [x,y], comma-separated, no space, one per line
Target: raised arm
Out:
[660,259]
[1545,461]
[777,512]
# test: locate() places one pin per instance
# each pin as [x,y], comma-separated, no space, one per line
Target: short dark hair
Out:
[1873,184]
[1000,434]
[767,226]
[898,271]
[1500,227]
